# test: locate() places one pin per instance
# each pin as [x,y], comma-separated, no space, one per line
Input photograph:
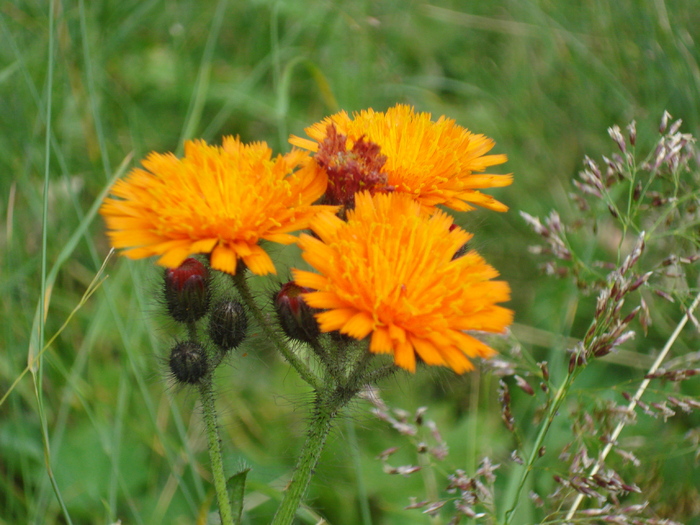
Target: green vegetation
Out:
[94,430]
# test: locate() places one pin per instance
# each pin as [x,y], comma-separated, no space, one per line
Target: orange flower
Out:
[216,200]
[404,151]
[391,271]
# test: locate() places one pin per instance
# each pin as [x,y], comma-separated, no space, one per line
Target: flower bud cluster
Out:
[673,151]
[552,231]
[473,490]
[469,495]
[188,292]
[504,400]
[649,179]
[648,194]
[609,329]
[608,480]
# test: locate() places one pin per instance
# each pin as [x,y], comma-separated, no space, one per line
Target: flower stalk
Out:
[206,393]
[306,374]
[539,440]
[326,407]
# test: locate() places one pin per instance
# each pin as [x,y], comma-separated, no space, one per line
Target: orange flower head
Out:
[434,162]
[216,200]
[395,272]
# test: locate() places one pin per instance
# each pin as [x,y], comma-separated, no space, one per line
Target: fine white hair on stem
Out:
[635,399]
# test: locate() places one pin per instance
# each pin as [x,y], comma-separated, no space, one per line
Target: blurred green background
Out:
[86,85]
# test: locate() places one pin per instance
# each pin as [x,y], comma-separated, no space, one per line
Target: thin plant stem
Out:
[633,402]
[206,393]
[192,331]
[430,484]
[534,453]
[303,370]
[37,369]
[380,373]
[325,409]
[362,496]
[473,428]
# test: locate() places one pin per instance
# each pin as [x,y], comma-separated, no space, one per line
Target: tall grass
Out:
[95,433]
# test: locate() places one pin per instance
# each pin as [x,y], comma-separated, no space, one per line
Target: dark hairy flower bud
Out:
[228,324]
[187,293]
[295,316]
[188,362]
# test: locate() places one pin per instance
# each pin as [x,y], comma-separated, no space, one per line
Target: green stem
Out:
[325,409]
[535,452]
[192,331]
[217,465]
[306,374]
[380,373]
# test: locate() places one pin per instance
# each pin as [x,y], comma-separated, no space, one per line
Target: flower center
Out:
[350,171]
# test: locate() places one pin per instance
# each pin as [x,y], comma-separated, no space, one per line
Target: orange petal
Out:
[223,259]
[404,356]
[335,319]
[381,342]
[309,279]
[359,326]
[427,351]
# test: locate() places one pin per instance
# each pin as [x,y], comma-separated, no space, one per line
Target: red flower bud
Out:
[295,316]
[187,292]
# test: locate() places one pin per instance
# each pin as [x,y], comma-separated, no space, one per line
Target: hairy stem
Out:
[325,409]
[303,370]
[217,465]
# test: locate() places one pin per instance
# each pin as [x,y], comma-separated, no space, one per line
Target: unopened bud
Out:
[295,316]
[535,224]
[188,362]
[504,398]
[228,325]
[664,122]
[637,193]
[665,295]
[675,127]
[524,385]
[628,319]
[187,292]
[578,358]
[632,132]
[630,334]
[640,281]
[616,135]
